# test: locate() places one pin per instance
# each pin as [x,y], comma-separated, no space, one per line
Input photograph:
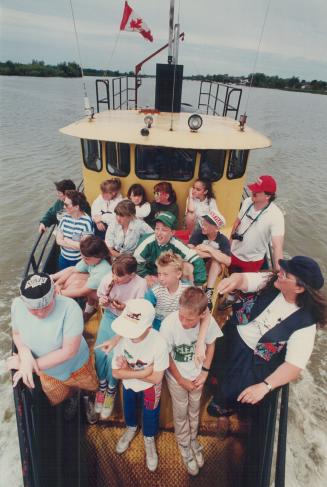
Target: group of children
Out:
[156,320]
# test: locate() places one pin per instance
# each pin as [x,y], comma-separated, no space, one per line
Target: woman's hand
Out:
[13,362]
[200,353]
[253,394]
[230,284]
[101,226]
[103,300]
[28,365]
[118,305]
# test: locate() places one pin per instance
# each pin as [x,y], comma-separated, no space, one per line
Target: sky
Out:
[221,36]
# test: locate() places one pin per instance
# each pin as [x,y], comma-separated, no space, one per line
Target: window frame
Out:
[245,153]
[117,144]
[224,151]
[98,142]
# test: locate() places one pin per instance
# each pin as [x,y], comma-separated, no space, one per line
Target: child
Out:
[84,278]
[102,210]
[200,201]
[140,360]
[51,216]
[164,200]
[165,294]
[136,194]
[162,240]
[115,289]
[185,378]
[213,247]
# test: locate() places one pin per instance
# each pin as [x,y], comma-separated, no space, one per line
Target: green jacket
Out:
[50,218]
[148,250]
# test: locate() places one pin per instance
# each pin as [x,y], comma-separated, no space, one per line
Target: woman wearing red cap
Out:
[259,222]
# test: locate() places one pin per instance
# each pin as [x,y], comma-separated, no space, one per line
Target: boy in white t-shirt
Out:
[185,377]
[140,360]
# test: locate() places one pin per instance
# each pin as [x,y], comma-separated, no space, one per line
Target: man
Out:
[270,337]
[259,222]
[163,240]
[212,246]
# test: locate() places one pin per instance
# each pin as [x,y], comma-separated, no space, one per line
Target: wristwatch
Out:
[269,386]
[205,369]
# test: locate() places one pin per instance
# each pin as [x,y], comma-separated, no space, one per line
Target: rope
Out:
[114,48]
[257,53]
[78,48]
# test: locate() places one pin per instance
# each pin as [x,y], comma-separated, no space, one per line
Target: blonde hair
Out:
[168,258]
[195,299]
[110,185]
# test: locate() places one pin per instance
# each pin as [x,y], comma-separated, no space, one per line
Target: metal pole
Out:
[171,31]
[176,43]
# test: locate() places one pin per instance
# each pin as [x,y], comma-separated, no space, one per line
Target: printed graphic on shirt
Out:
[184,352]
[135,365]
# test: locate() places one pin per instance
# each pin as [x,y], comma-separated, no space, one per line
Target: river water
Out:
[34,155]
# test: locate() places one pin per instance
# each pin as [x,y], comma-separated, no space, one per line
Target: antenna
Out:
[171,31]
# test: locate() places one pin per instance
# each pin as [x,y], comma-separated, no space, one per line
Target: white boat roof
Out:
[125,126]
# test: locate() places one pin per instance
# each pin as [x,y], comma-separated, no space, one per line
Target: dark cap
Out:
[37,290]
[305,268]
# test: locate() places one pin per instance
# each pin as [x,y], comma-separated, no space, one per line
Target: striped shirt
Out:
[74,228]
[163,301]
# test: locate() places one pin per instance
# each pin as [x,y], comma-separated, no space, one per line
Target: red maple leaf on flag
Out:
[136,23]
[133,22]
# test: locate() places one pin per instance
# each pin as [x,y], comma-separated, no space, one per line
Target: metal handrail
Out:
[225,102]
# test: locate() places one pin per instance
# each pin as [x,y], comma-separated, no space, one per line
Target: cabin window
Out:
[164,163]
[237,163]
[118,159]
[212,164]
[91,150]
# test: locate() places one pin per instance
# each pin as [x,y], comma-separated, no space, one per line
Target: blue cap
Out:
[306,269]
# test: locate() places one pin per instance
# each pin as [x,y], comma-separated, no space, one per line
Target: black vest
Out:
[271,348]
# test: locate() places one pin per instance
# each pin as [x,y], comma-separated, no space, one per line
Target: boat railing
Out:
[99,85]
[122,93]
[217,98]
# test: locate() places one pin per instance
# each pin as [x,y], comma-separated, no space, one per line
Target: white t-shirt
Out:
[269,224]
[181,343]
[105,208]
[150,351]
[300,343]
[203,207]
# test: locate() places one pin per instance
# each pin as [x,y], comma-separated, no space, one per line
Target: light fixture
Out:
[195,122]
[145,132]
[148,120]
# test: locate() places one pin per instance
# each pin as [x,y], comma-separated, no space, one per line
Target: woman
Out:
[47,331]
[83,279]
[201,200]
[164,200]
[270,336]
[104,204]
[136,194]
[122,235]
[75,224]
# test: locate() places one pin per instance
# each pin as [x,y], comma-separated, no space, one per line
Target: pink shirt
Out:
[133,289]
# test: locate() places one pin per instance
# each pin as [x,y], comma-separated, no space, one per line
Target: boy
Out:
[140,360]
[165,294]
[185,378]
[50,218]
[147,252]
[212,246]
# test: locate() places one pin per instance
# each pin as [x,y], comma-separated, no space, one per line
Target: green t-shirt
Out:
[96,272]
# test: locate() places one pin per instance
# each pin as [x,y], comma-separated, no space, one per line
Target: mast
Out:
[171,31]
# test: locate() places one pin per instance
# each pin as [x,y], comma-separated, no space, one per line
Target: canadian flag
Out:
[133,22]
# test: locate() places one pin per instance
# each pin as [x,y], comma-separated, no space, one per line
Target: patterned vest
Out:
[271,348]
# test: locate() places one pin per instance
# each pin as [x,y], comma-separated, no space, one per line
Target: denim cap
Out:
[137,316]
[167,218]
[37,290]
[305,268]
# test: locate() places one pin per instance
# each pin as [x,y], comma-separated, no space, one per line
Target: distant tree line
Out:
[261,80]
[73,70]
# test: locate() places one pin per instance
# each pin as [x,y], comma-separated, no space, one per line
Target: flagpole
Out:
[171,31]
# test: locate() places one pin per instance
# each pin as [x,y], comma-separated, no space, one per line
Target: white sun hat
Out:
[137,316]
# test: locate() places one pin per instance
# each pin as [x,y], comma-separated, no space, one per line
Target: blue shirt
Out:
[45,335]
[96,272]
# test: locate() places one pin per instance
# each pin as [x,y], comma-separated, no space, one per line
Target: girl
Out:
[124,232]
[84,278]
[200,201]
[121,284]
[103,206]
[136,194]
[75,224]
[164,200]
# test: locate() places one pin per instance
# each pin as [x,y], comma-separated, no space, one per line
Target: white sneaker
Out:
[99,400]
[108,405]
[90,413]
[125,439]
[151,453]
[189,460]
[197,452]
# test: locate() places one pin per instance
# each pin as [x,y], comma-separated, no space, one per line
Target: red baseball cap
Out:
[266,184]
